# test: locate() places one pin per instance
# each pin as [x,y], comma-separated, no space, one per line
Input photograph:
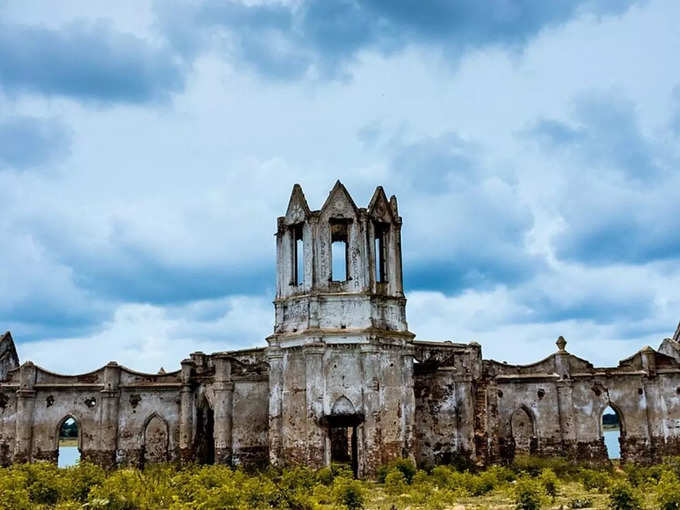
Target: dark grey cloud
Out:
[88,62]
[323,35]
[27,142]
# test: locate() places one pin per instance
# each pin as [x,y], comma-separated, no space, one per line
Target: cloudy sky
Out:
[146,149]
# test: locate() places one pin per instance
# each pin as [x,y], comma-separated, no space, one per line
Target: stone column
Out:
[465,401]
[314,385]
[108,438]
[370,457]
[186,414]
[650,398]
[224,394]
[408,410]
[565,405]
[275,360]
[24,416]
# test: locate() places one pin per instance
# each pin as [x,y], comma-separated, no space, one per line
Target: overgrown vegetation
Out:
[530,483]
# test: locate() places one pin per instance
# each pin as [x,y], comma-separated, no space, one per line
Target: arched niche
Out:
[155,440]
[523,430]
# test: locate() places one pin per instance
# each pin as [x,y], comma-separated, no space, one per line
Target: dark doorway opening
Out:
[205,436]
[342,431]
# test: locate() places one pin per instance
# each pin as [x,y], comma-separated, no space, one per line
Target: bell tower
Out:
[341,383]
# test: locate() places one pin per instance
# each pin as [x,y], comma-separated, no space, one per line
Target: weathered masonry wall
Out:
[444,375]
[317,386]
[554,407]
[129,418]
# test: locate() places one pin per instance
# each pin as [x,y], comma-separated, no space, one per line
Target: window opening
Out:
[380,253]
[339,251]
[68,453]
[298,256]
[611,432]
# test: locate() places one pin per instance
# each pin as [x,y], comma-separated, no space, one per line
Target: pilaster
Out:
[24,417]
[108,439]
[186,413]
[224,394]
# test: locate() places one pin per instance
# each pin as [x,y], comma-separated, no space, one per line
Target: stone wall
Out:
[130,418]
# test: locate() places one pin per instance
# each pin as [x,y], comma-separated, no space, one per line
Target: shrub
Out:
[82,477]
[13,493]
[528,494]
[406,466]
[622,496]
[347,492]
[549,481]
[533,466]
[668,492]
[325,476]
[592,479]
[395,482]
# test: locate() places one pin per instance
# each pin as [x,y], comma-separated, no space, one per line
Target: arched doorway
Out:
[523,429]
[68,442]
[342,432]
[611,426]
[205,434]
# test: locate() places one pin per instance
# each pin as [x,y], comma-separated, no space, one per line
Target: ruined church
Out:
[342,379]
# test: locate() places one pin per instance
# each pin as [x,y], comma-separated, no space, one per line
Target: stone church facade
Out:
[342,379]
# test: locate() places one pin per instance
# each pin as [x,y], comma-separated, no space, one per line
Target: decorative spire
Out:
[561,343]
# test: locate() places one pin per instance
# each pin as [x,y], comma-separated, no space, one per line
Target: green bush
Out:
[406,466]
[622,496]
[533,466]
[528,494]
[668,492]
[593,479]
[348,492]
[395,482]
[549,481]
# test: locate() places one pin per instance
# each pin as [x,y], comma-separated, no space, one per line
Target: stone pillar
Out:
[24,416]
[370,449]
[186,414]
[650,397]
[275,360]
[314,385]
[108,438]
[465,402]
[565,404]
[408,410]
[224,395]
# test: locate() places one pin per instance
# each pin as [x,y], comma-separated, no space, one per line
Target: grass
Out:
[68,442]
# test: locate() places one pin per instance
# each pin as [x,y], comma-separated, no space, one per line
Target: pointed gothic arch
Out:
[155,439]
[523,431]
[64,455]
